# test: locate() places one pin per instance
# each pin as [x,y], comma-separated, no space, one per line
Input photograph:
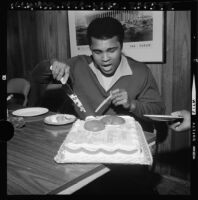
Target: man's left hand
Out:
[120,97]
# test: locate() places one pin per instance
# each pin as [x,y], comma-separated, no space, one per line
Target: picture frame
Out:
[144,38]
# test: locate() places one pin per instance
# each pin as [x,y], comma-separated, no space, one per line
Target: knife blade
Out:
[103,103]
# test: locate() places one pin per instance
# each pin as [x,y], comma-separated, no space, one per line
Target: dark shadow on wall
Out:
[161,131]
[179,160]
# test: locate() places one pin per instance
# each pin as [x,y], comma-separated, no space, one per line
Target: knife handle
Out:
[63,81]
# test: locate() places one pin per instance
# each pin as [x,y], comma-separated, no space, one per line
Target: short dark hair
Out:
[105,28]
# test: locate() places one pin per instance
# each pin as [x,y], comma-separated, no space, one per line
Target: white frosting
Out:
[89,118]
[123,143]
[77,102]
[101,157]
[123,137]
[60,118]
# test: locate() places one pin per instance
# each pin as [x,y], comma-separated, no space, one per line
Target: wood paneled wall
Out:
[174,81]
[174,77]
[39,35]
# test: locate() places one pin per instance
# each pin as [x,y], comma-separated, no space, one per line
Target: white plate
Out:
[30,112]
[164,117]
[59,119]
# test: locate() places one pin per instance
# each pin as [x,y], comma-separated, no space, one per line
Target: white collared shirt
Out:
[107,82]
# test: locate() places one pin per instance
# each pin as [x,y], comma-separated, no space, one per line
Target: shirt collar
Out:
[123,69]
[107,82]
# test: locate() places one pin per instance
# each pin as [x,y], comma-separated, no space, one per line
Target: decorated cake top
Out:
[112,137]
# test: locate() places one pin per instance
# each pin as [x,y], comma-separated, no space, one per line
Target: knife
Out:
[103,103]
[63,81]
[71,94]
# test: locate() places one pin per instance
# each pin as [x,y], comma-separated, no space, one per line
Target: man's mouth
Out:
[107,67]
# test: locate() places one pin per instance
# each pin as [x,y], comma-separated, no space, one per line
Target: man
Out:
[185,124]
[107,72]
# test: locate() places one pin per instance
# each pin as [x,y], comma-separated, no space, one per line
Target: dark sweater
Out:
[141,87]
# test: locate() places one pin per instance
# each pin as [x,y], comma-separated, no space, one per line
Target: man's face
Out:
[106,54]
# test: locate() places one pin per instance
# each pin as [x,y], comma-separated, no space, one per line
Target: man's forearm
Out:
[42,73]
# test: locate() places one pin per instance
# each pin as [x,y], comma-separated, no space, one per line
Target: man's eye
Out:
[111,50]
[97,52]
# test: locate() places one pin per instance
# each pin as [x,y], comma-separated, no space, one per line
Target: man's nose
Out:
[105,57]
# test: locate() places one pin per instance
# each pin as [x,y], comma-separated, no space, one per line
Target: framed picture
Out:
[143,33]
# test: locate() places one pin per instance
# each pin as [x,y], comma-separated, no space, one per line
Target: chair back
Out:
[19,86]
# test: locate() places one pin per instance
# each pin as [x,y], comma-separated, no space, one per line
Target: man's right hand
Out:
[182,126]
[60,71]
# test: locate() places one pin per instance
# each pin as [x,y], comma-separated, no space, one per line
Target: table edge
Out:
[79,182]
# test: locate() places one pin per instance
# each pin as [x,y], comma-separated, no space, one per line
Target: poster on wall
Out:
[143,33]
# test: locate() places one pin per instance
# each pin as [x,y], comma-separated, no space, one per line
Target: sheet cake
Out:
[123,143]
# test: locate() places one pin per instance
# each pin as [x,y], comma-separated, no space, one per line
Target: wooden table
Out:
[31,168]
